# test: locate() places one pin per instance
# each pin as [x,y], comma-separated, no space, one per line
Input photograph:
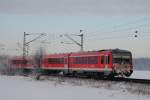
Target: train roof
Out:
[88,52]
[56,55]
[76,53]
[114,50]
[20,58]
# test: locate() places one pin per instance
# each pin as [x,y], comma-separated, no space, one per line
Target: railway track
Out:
[117,79]
[132,80]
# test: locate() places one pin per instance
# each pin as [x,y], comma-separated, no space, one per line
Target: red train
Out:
[111,62]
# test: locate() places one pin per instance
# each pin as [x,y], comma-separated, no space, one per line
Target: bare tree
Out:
[38,62]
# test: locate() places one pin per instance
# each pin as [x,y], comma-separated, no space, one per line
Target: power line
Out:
[126,29]
[26,44]
[108,38]
[134,35]
[74,41]
[117,26]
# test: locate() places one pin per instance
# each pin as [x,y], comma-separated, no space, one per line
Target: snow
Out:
[141,74]
[26,88]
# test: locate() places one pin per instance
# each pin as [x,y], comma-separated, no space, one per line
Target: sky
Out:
[106,24]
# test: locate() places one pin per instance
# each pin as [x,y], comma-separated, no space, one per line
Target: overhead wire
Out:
[118,29]
[127,29]
[130,29]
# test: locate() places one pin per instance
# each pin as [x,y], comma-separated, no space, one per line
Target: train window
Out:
[56,60]
[82,60]
[94,60]
[49,60]
[77,60]
[62,61]
[19,61]
[107,59]
[86,60]
[102,59]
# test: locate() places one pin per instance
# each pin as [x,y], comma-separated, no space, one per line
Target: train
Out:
[100,63]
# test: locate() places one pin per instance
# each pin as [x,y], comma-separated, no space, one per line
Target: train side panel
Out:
[54,62]
[91,61]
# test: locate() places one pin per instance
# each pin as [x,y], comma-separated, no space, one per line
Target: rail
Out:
[132,80]
[117,79]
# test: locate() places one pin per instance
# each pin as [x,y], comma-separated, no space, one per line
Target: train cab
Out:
[122,62]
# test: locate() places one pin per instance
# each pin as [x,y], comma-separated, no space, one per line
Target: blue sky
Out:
[102,28]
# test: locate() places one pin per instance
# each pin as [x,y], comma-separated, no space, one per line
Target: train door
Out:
[102,61]
[107,61]
[66,65]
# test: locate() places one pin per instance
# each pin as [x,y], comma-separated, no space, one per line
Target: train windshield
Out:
[122,58]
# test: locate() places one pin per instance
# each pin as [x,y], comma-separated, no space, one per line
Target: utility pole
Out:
[81,35]
[76,42]
[26,44]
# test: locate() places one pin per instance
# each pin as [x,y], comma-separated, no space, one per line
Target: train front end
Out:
[122,62]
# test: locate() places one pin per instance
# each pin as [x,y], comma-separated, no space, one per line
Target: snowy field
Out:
[141,74]
[59,88]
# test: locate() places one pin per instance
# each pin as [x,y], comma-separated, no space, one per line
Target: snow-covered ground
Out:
[141,74]
[57,88]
